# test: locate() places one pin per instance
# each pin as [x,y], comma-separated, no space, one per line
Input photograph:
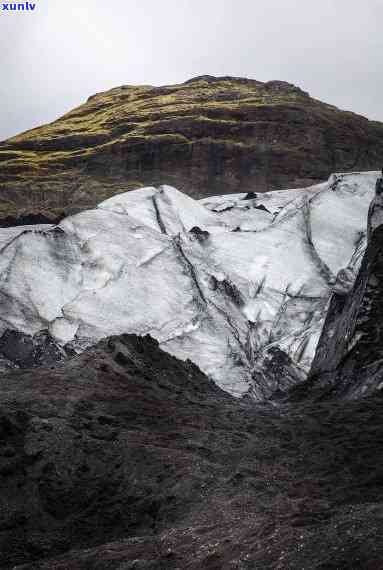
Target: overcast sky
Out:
[52,59]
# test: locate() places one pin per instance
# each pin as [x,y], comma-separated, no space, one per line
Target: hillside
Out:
[207,136]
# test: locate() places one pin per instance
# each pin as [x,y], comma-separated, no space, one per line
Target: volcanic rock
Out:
[26,351]
[126,458]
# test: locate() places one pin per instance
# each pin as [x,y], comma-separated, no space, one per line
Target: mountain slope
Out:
[207,136]
[238,284]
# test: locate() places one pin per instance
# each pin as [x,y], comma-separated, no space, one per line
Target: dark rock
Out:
[263,208]
[250,196]
[379,186]
[126,457]
[228,288]
[27,351]
[200,235]
[29,219]
[274,374]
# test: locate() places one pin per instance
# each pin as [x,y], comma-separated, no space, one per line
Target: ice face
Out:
[219,281]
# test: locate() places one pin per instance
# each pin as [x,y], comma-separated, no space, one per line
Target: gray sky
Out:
[51,60]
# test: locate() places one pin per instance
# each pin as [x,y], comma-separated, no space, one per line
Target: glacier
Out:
[225,281]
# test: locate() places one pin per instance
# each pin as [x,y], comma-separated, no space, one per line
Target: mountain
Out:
[348,360]
[239,284]
[207,136]
[188,383]
[125,458]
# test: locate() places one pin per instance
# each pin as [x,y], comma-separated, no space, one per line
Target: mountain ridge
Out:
[206,136]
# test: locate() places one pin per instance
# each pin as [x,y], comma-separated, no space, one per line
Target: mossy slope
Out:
[206,136]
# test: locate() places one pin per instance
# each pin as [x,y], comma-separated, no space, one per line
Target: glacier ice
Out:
[220,281]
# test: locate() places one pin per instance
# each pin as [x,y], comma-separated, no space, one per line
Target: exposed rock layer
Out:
[207,136]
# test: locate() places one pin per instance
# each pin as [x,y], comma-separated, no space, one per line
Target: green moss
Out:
[85,152]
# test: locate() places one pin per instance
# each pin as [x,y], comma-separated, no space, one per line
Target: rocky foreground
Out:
[207,136]
[126,458]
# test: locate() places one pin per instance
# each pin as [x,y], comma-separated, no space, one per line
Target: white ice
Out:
[266,264]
